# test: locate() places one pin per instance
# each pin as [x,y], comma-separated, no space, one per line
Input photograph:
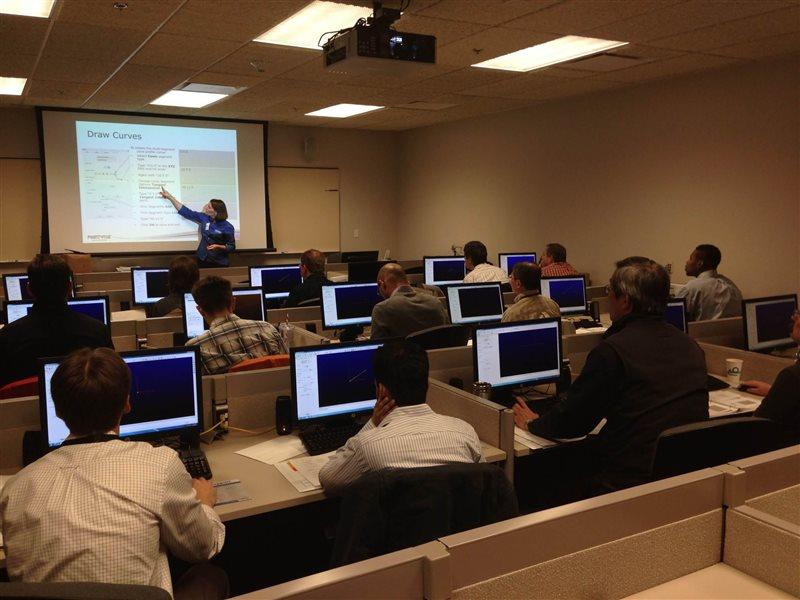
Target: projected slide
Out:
[121,168]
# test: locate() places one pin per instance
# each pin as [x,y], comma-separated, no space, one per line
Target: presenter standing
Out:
[216,233]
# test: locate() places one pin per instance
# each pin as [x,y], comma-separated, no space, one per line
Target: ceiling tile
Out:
[21,34]
[772,46]
[489,43]
[645,54]
[179,51]
[445,31]
[76,40]
[516,87]
[13,64]
[777,22]
[61,90]
[456,81]
[484,12]
[63,68]
[680,18]
[270,60]
[231,79]
[667,68]
[144,15]
[141,84]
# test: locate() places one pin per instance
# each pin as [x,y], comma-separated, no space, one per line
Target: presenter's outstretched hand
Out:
[165,194]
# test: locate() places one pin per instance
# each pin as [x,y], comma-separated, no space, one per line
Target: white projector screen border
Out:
[61,219]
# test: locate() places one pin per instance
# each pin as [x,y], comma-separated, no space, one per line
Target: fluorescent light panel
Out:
[27,8]
[304,28]
[549,53]
[342,111]
[188,99]
[12,86]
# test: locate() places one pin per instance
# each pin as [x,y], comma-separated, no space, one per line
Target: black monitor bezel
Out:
[325,324]
[358,264]
[546,380]
[585,297]
[467,285]
[133,284]
[191,430]
[744,321]
[358,254]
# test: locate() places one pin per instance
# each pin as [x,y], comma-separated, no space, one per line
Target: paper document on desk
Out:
[585,330]
[276,450]
[720,410]
[733,399]
[230,491]
[303,472]
[527,439]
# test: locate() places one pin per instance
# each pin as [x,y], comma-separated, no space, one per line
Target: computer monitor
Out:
[475,303]
[520,353]
[768,322]
[365,272]
[359,256]
[676,314]
[166,395]
[149,285]
[96,307]
[333,380]
[348,304]
[249,305]
[276,280]
[444,270]
[507,260]
[569,292]
[15,286]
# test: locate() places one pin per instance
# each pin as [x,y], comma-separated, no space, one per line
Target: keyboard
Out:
[322,439]
[196,463]
[714,383]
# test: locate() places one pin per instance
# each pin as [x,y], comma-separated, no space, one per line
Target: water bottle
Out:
[285,329]
[482,389]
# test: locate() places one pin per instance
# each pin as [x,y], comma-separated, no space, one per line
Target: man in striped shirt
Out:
[229,339]
[554,262]
[403,432]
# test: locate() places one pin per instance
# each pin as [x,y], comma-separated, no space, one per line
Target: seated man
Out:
[100,509]
[312,269]
[526,279]
[644,377]
[479,269]
[710,295]
[183,274]
[403,431]
[554,262]
[229,339]
[50,328]
[405,310]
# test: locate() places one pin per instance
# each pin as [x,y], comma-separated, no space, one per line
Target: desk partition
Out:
[722,332]
[755,365]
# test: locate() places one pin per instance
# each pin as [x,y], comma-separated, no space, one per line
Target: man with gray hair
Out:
[645,376]
[404,310]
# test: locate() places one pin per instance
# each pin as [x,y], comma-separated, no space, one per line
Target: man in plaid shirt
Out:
[229,339]
[554,262]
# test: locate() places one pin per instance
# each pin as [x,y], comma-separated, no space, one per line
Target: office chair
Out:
[441,336]
[81,591]
[261,362]
[710,443]
[388,510]
[310,302]
[20,389]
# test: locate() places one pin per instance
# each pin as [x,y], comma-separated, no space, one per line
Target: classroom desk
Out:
[268,489]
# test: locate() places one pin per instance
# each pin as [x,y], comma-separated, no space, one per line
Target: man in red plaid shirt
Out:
[554,262]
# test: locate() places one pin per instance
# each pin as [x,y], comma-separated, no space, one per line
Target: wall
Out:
[367,161]
[652,170]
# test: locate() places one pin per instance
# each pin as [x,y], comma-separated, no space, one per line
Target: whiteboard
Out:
[304,208]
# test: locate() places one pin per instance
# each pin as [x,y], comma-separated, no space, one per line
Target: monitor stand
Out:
[350,333]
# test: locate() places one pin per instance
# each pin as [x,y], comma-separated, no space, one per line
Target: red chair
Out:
[20,389]
[262,362]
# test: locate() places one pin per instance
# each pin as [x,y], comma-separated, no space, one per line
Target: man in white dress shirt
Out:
[99,509]
[710,295]
[478,268]
[403,432]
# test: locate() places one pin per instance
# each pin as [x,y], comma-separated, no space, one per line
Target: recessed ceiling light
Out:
[549,53]
[342,111]
[27,8]
[12,86]
[188,99]
[304,28]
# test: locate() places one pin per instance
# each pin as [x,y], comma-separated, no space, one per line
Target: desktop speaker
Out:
[283,415]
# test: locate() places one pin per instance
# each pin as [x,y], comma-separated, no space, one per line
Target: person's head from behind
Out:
[632,260]
[401,372]
[525,277]
[214,298]
[554,253]
[91,391]
[216,209]
[183,274]
[703,258]
[49,278]
[640,288]
[474,254]
[312,262]
[390,277]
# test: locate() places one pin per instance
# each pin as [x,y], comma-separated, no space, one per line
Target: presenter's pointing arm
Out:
[165,194]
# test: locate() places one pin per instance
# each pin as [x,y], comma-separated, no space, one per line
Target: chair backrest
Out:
[393,509]
[20,389]
[441,336]
[81,591]
[310,302]
[709,443]
[262,362]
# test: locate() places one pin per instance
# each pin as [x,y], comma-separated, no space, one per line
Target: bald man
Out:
[404,310]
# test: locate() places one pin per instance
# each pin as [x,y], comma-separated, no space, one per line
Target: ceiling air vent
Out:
[604,62]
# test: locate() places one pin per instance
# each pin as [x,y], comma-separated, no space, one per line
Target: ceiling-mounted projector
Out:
[372,45]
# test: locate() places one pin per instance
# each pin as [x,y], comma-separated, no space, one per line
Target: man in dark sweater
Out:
[312,269]
[51,328]
[645,376]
